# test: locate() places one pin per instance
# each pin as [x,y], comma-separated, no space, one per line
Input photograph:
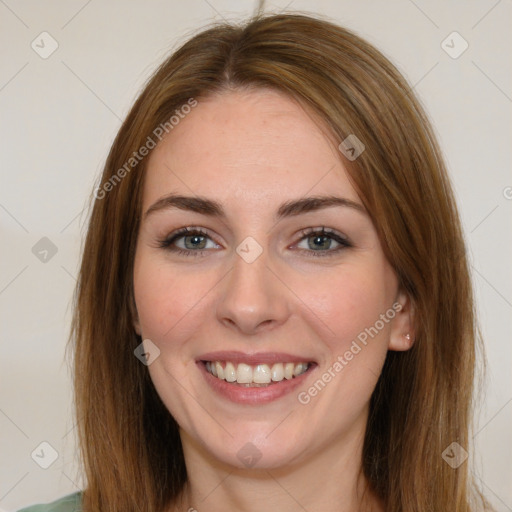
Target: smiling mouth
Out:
[257,375]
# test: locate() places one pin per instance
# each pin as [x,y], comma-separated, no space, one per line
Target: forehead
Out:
[252,145]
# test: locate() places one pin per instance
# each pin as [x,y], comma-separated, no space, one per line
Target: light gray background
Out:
[59,117]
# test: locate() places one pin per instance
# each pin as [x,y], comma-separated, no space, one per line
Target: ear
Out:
[402,334]
[136,326]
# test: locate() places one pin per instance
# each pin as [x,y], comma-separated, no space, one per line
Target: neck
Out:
[330,481]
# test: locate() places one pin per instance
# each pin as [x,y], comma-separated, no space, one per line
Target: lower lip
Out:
[253,395]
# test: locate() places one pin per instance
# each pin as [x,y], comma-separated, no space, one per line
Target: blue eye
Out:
[320,242]
[194,242]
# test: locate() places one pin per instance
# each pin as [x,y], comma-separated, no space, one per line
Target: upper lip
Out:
[254,357]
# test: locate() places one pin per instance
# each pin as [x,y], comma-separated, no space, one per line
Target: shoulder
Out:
[69,503]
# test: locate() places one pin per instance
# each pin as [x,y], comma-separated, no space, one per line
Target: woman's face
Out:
[260,289]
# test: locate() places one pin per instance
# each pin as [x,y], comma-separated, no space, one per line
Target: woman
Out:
[274,308]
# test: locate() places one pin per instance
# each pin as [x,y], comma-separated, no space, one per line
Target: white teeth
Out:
[230,372]
[300,368]
[277,372]
[261,374]
[288,371]
[220,370]
[258,374]
[244,374]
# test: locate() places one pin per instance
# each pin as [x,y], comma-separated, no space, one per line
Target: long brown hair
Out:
[130,444]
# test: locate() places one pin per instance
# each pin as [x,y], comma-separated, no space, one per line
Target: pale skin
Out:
[251,152]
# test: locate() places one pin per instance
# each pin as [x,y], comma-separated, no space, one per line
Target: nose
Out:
[252,298]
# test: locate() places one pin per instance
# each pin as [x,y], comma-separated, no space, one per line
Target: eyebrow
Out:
[213,208]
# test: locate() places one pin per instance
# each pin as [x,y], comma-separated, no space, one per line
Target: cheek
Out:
[349,301]
[167,300]
[349,304]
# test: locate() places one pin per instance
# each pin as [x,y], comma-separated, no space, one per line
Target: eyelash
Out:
[306,233]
